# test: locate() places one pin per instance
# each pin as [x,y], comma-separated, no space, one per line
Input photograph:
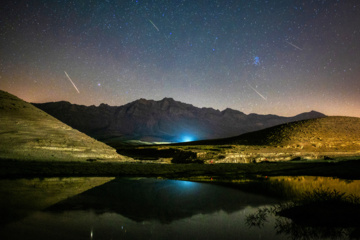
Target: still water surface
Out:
[142,208]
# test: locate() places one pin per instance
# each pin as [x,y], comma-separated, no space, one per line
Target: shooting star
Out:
[71,81]
[154,25]
[257,92]
[297,47]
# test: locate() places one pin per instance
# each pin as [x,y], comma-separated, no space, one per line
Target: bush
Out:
[186,157]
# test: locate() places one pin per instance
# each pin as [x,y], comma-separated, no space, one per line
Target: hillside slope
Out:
[322,138]
[27,133]
[328,132]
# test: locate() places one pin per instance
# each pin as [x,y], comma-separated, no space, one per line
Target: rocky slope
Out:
[166,120]
[27,133]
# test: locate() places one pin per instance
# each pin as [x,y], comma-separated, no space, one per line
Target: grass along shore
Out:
[346,169]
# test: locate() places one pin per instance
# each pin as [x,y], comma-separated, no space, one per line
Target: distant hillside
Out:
[166,120]
[27,133]
[328,138]
[328,132]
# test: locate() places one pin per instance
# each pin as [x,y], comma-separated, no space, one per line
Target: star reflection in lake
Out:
[141,208]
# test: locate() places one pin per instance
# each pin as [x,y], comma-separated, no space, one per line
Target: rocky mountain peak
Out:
[167,99]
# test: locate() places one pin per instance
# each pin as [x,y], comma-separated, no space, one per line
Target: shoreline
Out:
[346,169]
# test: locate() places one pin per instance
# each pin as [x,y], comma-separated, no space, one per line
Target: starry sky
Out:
[279,57]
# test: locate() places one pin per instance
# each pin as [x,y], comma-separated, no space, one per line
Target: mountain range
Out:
[166,120]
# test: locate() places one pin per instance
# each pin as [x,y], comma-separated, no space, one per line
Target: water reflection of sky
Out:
[156,209]
[161,200]
[83,224]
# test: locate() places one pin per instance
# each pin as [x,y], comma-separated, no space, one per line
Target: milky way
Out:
[266,57]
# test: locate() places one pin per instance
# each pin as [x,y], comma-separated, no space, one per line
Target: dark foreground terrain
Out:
[346,169]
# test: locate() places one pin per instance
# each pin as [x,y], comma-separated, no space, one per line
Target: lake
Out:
[147,208]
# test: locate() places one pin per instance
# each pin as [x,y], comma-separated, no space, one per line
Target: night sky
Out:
[268,57]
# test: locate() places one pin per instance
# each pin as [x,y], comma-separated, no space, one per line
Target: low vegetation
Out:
[322,213]
[323,208]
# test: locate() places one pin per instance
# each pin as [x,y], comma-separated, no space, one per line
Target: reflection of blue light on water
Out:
[186,184]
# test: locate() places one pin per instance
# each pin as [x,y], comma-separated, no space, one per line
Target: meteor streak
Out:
[153,25]
[294,45]
[71,81]
[257,92]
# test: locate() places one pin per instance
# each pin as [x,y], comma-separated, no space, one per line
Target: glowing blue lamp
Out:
[187,139]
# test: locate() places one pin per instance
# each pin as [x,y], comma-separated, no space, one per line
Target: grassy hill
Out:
[322,138]
[28,133]
[342,133]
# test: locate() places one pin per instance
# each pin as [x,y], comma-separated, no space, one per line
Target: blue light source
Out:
[187,139]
